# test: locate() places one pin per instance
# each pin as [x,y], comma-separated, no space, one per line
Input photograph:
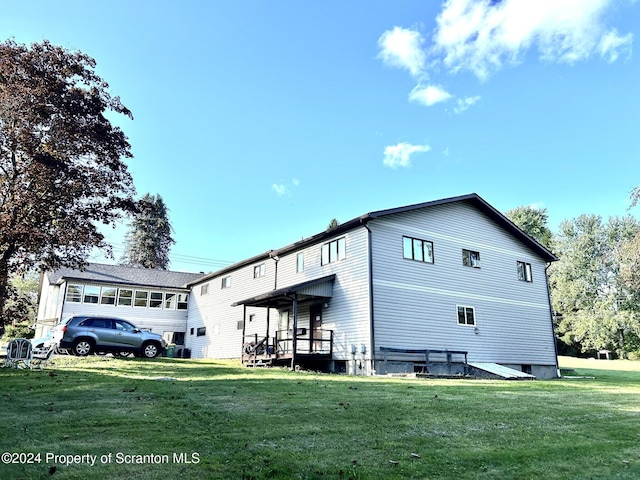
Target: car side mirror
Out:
[136,330]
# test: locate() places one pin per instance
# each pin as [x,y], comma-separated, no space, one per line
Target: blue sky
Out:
[260,121]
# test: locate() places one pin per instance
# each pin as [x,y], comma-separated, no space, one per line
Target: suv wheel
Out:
[150,350]
[82,348]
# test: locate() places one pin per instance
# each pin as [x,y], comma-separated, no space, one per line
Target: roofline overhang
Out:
[265,298]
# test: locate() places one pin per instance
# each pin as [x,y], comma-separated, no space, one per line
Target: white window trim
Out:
[466,324]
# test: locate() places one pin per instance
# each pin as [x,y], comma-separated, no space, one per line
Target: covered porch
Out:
[290,343]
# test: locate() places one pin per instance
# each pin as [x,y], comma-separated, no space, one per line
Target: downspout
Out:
[244,331]
[371,315]
[553,329]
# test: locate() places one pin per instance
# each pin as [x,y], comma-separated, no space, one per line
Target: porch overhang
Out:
[315,290]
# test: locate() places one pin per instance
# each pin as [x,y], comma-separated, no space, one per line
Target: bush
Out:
[21,330]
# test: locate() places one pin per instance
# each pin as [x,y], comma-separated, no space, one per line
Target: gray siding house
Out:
[154,300]
[452,275]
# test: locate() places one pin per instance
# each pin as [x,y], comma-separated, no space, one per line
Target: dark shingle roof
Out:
[117,274]
[472,198]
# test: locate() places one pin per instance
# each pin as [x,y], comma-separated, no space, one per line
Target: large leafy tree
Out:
[589,292]
[533,221]
[61,160]
[149,239]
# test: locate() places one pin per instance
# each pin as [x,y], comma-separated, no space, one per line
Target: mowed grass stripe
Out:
[272,423]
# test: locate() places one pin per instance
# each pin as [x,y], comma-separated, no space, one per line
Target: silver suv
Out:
[88,334]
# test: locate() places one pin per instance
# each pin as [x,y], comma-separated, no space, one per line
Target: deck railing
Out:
[316,342]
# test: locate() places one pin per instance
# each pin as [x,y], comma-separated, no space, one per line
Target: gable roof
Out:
[472,199]
[120,275]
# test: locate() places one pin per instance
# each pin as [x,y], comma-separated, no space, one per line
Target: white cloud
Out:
[481,36]
[445,152]
[400,155]
[402,48]
[295,182]
[429,95]
[280,189]
[464,103]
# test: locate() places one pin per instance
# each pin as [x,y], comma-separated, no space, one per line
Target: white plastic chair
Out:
[19,353]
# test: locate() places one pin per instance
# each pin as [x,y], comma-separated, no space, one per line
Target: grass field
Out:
[170,418]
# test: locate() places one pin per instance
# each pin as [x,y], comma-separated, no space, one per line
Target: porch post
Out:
[295,331]
[244,327]
[268,313]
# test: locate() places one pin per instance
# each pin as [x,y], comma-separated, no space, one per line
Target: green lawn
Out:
[236,423]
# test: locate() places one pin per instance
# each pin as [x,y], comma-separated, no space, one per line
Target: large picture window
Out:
[416,249]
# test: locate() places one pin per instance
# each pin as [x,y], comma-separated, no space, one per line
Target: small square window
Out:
[471,258]
[226,282]
[466,315]
[201,332]
[204,289]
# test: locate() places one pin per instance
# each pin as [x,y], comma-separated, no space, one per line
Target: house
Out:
[451,276]
[450,282]
[154,300]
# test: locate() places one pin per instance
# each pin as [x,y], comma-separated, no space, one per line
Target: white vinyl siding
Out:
[414,310]
[347,312]
[161,313]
